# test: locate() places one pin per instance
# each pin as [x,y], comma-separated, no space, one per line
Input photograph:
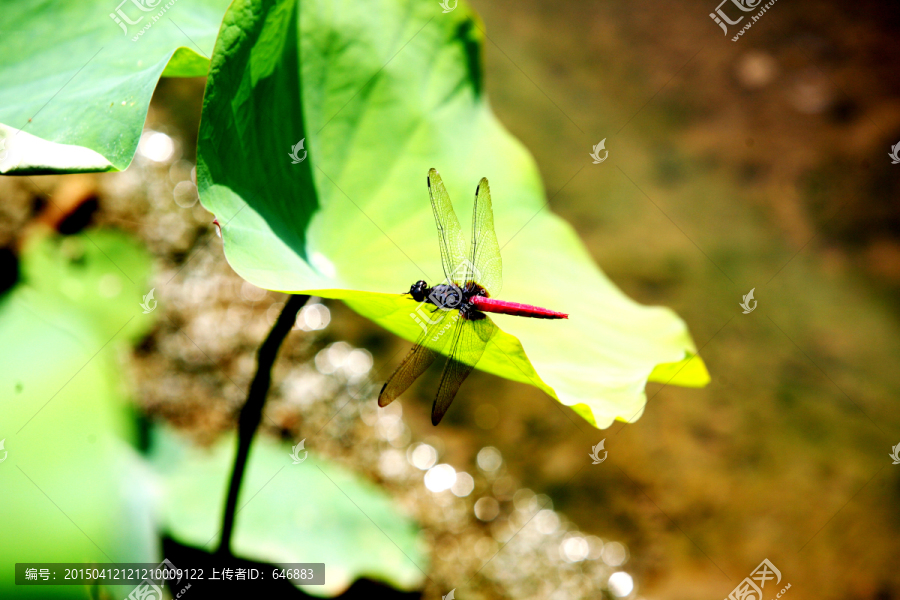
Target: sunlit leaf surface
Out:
[77,85]
[378,96]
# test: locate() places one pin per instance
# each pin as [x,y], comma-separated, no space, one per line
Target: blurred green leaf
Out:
[76,87]
[102,273]
[313,511]
[378,96]
[72,489]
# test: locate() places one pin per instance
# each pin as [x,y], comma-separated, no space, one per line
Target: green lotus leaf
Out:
[311,512]
[73,489]
[102,273]
[377,97]
[78,76]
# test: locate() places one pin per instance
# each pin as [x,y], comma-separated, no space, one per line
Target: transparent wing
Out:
[470,338]
[453,253]
[437,325]
[487,269]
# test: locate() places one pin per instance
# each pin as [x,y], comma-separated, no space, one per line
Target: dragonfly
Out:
[453,313]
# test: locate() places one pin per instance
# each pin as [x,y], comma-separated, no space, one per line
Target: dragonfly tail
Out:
[515,308]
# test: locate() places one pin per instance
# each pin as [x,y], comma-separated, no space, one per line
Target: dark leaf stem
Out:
[251,413]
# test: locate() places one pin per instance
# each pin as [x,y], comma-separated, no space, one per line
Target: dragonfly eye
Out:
[417,290]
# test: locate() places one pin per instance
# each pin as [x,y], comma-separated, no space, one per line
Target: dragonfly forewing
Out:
[450,235]
[487,269]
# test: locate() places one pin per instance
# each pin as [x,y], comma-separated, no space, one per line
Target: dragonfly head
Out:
[417,290]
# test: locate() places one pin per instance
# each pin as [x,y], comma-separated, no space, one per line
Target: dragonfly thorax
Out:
[449,296]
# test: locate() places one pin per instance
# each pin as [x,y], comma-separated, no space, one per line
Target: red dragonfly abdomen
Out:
[514,308]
